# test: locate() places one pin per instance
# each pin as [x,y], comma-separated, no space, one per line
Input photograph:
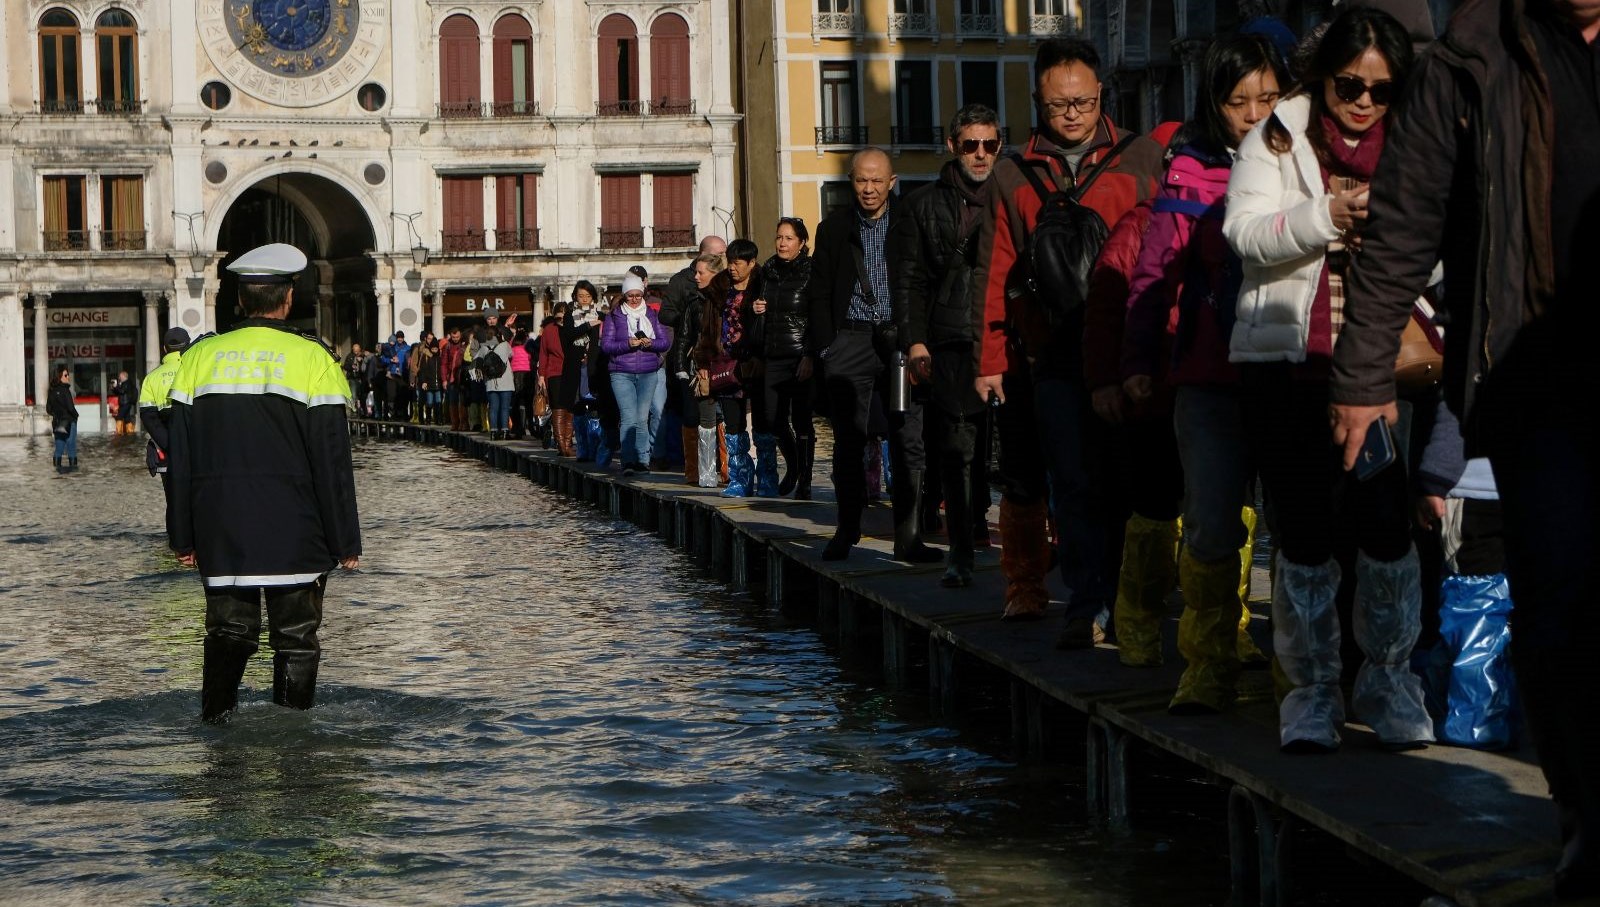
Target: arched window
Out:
[669,66]
[460,91]
[513,67]
[59,64]
[117,48]
[618,53]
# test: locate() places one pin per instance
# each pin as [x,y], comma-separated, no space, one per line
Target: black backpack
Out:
[1065,240]
[490,363]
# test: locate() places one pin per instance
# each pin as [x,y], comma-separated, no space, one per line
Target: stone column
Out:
[438,313]
[385,315]
[152,330]
[537,295]
[41,350]
[14,417]
[211,309]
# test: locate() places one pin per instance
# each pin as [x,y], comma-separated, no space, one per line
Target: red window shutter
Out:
[507,31]
[505,201]
[674,201]
[458,70]
[669,59]
[530,206]
[617,41]
[463,206]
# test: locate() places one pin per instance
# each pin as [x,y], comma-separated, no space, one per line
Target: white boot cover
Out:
[710,477]
[1305,637]
[1388,619]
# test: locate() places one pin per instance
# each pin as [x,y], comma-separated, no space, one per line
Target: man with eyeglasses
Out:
[855,328]
[1035,367]
[931,251]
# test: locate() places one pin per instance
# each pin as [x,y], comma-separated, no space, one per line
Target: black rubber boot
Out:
[906,498]
[805,455]
[295,614]
[294,678]
[225,660]
[848,532]
[72,464]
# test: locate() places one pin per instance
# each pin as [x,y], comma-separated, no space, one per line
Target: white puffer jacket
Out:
[1278,224]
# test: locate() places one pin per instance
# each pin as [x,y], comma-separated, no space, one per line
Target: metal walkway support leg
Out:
[828,595]
[941,677]
[896,650]
[1258,850]
[721,532]
[1107,759]
[1027,721]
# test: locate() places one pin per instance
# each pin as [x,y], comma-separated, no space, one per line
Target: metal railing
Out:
[978,24]
[458,241]
[844,24]
[842,135]
[916,135]
[1041,25]
[461,110]
[912,24]
[122,240]
[119,106]
[64,106]
[669,237]
[66,240]
[523,240]
[622,237]
[672,107]
[620,108]
[511,110]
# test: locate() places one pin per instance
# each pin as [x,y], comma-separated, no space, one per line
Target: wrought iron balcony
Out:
[122,240]
[511,110]
[622,237]
[842,135]
[119,106]
[66,240]
[65,106]
[1049,26]
[672,107]
[459,241]
[978,25]
[667,237]
[462,110]
[913,24]
[523,240]
[839,25]
[916,135]
[620,108]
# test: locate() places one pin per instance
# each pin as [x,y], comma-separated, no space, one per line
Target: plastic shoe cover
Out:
[740,468]
[1249,652]
[1149,569]
[766,466]
[1387,620]
[706,451]
[582,441]
[1305,637]
[1477,687]
[1208,635]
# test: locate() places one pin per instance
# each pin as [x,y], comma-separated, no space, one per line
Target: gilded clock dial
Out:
[294,24]
[294,53]
[293,38]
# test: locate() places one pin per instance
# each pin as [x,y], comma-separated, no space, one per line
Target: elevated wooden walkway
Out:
[1477,828]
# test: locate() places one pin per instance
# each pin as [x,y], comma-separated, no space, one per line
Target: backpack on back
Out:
[1066,239]
[490,364]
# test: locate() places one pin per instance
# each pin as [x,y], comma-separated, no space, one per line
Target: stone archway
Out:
[334,298]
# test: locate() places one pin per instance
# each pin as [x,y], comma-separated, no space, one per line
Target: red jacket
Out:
[552,359]
[450,355]
[1106,309]
[1010,325]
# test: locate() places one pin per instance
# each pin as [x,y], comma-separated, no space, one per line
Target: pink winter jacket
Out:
[1188,346]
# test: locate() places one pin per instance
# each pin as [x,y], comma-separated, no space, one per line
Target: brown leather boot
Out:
[568,449]
[1024,559]
[691,454]
[722,453]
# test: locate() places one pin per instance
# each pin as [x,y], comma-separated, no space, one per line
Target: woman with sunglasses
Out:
[1296,203]
[1186,269]
[787,388]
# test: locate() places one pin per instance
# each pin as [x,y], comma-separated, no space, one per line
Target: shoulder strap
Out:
[1100,167]
[1188,206]
[1027,168]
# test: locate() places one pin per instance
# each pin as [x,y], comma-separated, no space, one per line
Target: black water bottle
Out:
[996,477]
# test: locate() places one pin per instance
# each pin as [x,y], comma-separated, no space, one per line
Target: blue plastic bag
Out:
[1472,693]
[585,427]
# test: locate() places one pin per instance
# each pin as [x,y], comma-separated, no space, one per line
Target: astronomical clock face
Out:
[294,53]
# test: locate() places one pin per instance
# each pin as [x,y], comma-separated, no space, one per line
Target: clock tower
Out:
[293,53]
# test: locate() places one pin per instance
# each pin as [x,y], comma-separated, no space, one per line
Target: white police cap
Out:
[274,263]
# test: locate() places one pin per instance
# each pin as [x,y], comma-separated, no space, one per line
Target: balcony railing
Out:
[847,25]
[917,24]
[462,110]
[122,240]
[511,110]
[458,241]
[669,237]
[672,107]
[620,108]
[65,106]
[916,135]
[1045,26]
[621,237]
[981,25]
[842,135]
[66,240]
[119,106]
[523,240]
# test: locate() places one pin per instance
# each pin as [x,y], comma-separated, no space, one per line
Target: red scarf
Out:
[1357,161]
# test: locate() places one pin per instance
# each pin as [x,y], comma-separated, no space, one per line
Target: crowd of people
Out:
[1150,344]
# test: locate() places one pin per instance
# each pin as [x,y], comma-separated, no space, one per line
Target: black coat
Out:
[59,404]
[837,262]
[577,342]
[931,260]
[783,327]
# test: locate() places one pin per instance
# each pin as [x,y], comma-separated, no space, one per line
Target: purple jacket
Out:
[614,337]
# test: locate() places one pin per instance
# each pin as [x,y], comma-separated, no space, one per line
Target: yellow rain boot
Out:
[1149,570]
[1208,635]
[1249,654]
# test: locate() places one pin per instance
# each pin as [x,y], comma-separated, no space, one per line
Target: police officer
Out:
[155,411]
[263,492]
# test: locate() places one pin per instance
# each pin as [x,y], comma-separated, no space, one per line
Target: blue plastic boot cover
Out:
[1474,642]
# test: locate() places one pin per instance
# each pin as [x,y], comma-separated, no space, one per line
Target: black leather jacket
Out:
[929,279]
[783,285]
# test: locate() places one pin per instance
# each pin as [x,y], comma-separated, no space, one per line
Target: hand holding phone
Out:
[1377,451]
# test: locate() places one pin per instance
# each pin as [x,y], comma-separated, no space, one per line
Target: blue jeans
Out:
[499,410]
[68,446]
[636,395]
[1218,470]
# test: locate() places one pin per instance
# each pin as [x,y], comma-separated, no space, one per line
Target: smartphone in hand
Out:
[1377,451]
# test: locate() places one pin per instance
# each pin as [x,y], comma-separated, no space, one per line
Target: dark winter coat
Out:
[60,403]
[931,258]
[838,261]
[783,327]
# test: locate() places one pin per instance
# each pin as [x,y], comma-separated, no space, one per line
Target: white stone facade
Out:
[363,176]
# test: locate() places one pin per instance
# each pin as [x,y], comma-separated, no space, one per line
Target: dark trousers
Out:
[789,402]
[166,489]
[963,475]
[854,375]
[293,615]
[1318,509]
[1152,473]
[1053,446]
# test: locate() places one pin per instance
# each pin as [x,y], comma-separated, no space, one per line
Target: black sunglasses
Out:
[1349,89]
[970,146]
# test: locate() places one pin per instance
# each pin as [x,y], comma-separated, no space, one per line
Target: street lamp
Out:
[197,259]
[419,251]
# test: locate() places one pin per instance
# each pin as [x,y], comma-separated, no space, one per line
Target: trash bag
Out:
[1471,691]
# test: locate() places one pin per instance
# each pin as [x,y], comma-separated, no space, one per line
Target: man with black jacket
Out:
[856,326]
[1488,167]
[930,276]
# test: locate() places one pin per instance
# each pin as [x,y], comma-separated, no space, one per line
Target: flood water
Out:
[521,702]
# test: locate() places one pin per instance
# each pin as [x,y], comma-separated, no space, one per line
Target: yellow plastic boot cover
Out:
[1149,570]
